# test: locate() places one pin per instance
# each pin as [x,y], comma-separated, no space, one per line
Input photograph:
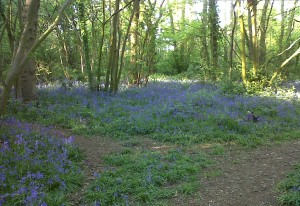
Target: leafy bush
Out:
[232,88]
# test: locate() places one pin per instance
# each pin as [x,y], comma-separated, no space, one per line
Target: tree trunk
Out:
[214,36]
[232,42]
[282,29]
[243,45]
[124,46]
[99,67]
[85,41]
[25,85]
[63,52]
[264,22]
[204,44]
[290,26]
[114,57]
[253,6]
[134,43]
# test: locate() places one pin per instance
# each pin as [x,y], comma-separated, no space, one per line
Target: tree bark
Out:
[25,86]
[282,29]
[134,43]
[264,22]
[243,45]
[204,43]
[214,36]
[85,41]
[113,54]
[234,18]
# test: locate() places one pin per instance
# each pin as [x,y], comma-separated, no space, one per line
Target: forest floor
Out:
[238,177]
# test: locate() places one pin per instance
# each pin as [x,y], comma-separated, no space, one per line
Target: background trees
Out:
[106,42]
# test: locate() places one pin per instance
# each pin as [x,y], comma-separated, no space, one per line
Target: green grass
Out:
[146,177]
[290,188]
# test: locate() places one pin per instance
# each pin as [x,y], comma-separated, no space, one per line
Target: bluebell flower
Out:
[97,175]
[69,140]
[97,203]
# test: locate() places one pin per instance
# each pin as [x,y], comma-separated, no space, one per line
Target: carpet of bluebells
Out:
[36,168]
[181,112]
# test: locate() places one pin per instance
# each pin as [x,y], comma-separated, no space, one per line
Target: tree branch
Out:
[51,27]
[118,11]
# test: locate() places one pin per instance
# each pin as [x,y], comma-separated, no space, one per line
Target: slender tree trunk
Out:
[254,33]
[134,43]
[264,22]
[124,46]
[290,26]
[114,51]
[250,35]
[108,70]
[243,45]
[85,41]
[101,45]
[204,28]
[63,53]
[234,18]
[295,54]
[214,36]
[282,29]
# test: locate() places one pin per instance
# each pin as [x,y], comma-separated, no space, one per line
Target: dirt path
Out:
[246,178]
[94,149]
[249,178]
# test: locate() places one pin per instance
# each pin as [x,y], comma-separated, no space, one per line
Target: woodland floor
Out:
[239,177]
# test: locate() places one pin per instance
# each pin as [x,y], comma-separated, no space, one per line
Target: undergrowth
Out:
[178,112]
[290,188]
[36,168]
[146,177]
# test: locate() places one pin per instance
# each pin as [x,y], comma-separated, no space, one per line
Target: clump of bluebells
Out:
[36,168]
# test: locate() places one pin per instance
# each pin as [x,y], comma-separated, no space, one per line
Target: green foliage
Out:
[232,88]
[290,188]
[145,177]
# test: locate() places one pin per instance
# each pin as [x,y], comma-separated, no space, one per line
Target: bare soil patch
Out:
[242,178]
[248,178]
